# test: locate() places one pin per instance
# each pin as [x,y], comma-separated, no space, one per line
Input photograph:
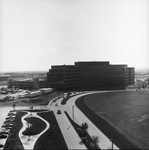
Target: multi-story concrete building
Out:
[131,75]
[4,77]
[90,76]
[64,77]
[30,84]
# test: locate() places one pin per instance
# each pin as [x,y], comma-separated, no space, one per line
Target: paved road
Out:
[104,142]
[3,113]
[79,117]
[71,137]
[5,110]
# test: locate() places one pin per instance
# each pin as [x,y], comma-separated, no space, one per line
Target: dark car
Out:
[4,132]
[1,145]
[58,111]
[3,136]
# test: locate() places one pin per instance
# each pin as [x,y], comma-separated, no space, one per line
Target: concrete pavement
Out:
[29,142]
[79,118]
[3,113]
[71,137]
[104,142]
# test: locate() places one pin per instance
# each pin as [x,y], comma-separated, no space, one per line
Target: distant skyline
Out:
[35,34]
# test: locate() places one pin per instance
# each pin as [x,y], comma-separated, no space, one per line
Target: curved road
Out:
[69,132]
[71,137]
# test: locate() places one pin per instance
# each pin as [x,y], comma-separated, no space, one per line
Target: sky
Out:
[35,34]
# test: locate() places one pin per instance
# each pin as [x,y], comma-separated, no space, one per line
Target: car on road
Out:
[59,112]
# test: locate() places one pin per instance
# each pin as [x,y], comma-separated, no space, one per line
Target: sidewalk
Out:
[29,142]
[104,142]
[71,137]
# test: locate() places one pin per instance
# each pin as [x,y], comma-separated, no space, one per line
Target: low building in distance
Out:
[4,77]
[27,83]
[96,75]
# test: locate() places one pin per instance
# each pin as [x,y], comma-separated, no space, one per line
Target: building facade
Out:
[29,84]
[90,76]
[65,77]
[4,77]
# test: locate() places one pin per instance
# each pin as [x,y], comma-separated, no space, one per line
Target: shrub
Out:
[84,140]
[84,126]
[14,105]
[95,139]
[81,132]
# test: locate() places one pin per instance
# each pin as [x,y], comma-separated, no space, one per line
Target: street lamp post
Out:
[112,143]
[73,112]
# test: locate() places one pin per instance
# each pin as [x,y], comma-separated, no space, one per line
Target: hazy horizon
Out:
[138,70]
[37,34]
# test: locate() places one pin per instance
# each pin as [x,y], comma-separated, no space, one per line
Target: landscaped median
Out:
[88,141]
[52,138]
[36,129]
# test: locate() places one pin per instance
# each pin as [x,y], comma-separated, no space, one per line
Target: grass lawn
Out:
[52,138]
[34,128]
[127,111]
[83,134]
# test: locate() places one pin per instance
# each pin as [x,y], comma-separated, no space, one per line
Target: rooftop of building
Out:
[82,63]
[88,64]
[4,75]
[26,79]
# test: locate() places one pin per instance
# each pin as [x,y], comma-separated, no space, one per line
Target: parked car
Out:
[1,145]
[4,132]
[3,136]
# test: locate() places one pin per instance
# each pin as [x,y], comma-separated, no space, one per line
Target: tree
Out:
[14,105]
[95,139]
[84,126]
[81,132]
[31,109]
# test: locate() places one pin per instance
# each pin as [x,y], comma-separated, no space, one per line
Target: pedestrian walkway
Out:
[29,141]
[70,136]
[72,139]
[104,142]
